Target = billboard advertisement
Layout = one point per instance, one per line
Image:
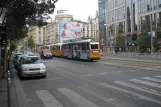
(70, 30)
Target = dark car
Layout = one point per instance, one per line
(46, 54)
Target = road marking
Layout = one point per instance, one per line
(146, 83)
(47, 99)
(158, 67)
(119, 71)
(115, 102)
(76, 98)
(158, 76)
(132, 70)
(103, 73)
(140, 88)
(152, 79)
(104, 85)
(87, 75)
(148, 68)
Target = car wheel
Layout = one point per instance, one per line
(44, 76)
(51, 57)
(21, 77)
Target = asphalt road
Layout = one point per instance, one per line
(89, 84)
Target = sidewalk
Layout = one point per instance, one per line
(142, 65)
(153, 57)
(3, 92)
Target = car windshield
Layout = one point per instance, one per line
(32, 60)
(17, 55)
(94, 46)
(46, 51)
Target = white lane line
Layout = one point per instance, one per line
(119, 71)
(148, 68)
(140, 88)
(76, 98)
(132, 70)
(158, 76)
(48, 99)
(87, 75)
(104, 85)
(116, 102)
(152, 79)
(146, 83)
(103, 73)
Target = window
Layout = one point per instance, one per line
(87, 46)
(83, 46)
(94, 46)
(31, 60)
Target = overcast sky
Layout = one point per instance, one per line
(80, 9)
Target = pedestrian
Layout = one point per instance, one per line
(149, 51)
(142, 51)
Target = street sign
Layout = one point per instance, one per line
(149, 34)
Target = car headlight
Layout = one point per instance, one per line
(24, 69)
(43, 68)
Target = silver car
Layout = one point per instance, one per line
(29, 53)
(31, 66)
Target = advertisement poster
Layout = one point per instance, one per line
(70, 30)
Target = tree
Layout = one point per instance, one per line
(156, 44)
(13, 46)
(144, 42)
(26, 12)
(30, 42)
(120, 40)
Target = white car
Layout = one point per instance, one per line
(18, 60)
(32, 66)
(28, 53)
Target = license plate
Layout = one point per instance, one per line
(34, 72)
(95, 51)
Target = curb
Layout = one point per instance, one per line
(21, 97)
(133, 60)
(123, 66)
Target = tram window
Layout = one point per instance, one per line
(78, 46)
(74, 47)
(58, 47)
(94, 46)
(83, 46)
(87, 46)
(54, 48)
(69, 46)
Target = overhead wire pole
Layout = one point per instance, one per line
(7, 56)
(151, 29)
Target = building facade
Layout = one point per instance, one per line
(102, 22)
(149, 10)
(48, 33)
(90, 28)
(126, 17)
(115, 19)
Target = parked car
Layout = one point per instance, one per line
(31, 66)
(29, 53)
(15, 56)
(46, 54)
(18, 60)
